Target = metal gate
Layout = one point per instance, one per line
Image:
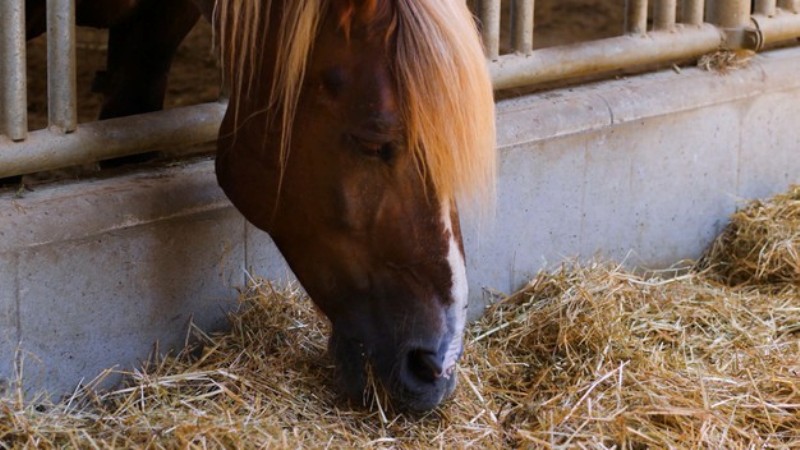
(663, 31)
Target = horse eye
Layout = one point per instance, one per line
(375, 147)
(386, 152)
(333, 80)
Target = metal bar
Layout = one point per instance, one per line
(61, 74)
(692, 12)
(790, 5)
(664, 15)
(164, 130)
(636, 16)
(782, 26)
(602, 56)
(490, 27)
(13, 85)
(731, 14)
(765, 7)
(523, 26)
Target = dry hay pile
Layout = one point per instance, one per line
(725, 61)
(761, 246)
(605, 358)
(589, 356)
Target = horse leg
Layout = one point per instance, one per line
(140, 53)
(35, 18)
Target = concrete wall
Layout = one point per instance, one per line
(644, 169)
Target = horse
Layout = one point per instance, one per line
(354, 128)
(143, 38)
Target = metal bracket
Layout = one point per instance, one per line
(747, 38)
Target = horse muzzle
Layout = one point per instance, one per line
(417, 378)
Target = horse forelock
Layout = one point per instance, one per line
(445, 91)
(373, 14)
(447, 97)
(245, 28)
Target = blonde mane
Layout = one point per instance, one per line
(446, 95)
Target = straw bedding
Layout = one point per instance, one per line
(761, 246)
(586, 356)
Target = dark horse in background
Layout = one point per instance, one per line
(143, 37)
(353, 128)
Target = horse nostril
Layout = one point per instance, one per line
(425, 365)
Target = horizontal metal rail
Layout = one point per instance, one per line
(729, 24)
(781, 26)
(732, 27)
(559, 63)
(97, 141)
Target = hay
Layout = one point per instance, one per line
(761, 245)
(266, 383)
(587, 356)
(725, 61)
(590, 356)
(599, 357)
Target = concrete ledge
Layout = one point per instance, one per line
(643, 169)
(93, 274)
(77, 211)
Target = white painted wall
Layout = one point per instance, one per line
(645, 169)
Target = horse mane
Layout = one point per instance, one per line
(443, 83)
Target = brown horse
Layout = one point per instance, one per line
(143, 38)
(353, 127)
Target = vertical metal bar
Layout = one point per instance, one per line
(13, 86)
(61, 83)
(522, 38)
(692, 11)
(765, 7)
(790, 5)
(664, 14)
(490, 26)
(636, 16)
(729, 13)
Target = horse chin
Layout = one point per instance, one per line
(350, 358)
(427, 399)
(353, 361)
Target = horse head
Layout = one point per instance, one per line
(353, 128)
